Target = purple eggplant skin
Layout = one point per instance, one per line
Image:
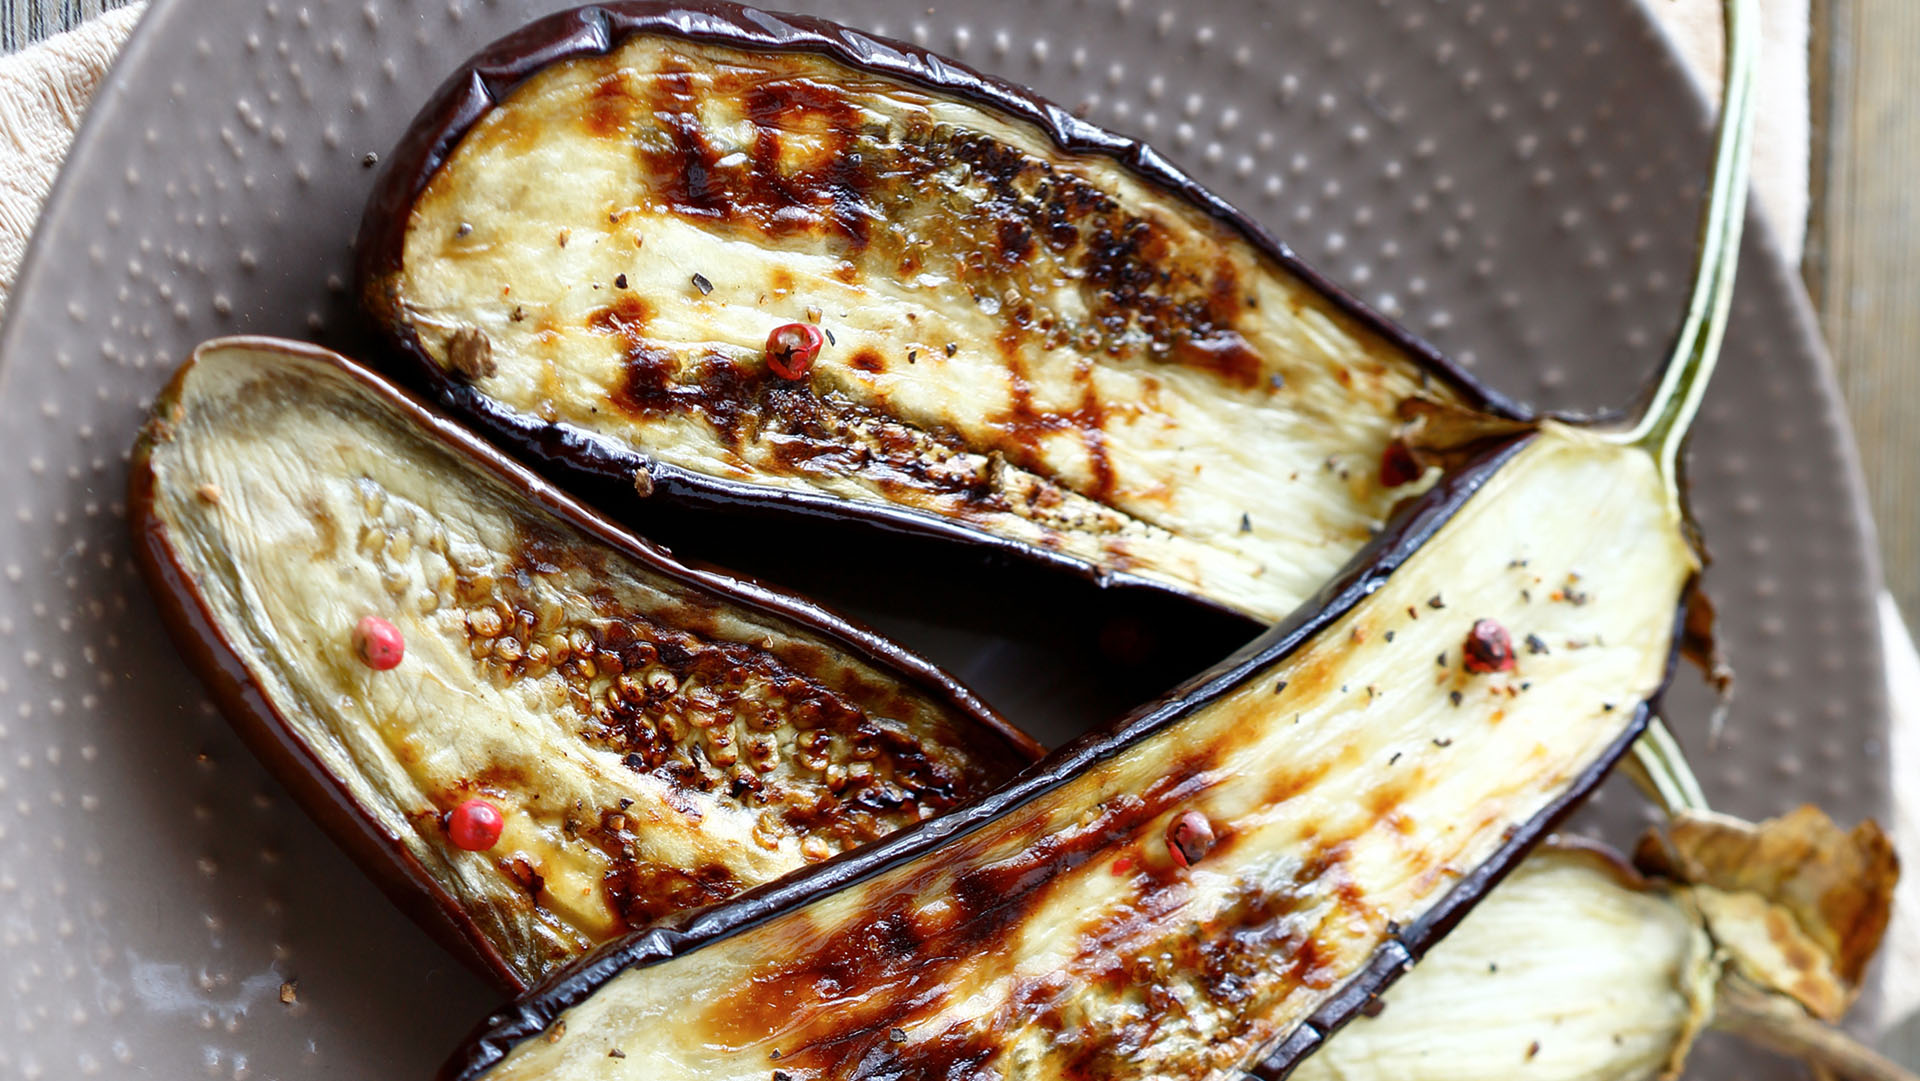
(220, 661)
(473, 91)
(535, 1014)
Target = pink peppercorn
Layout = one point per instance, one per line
(378, 643)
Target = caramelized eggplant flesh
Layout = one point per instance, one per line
(655, 737)
(1225, 876)
(1038, 335)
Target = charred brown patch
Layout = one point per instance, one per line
(609, 106)
(1026, 427)
(1285, 783)
(657, 382)
(326, 529)
(844, 996)
(868, 360)
(642, 891)
(798, 177)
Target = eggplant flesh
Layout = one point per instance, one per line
(1041, 336)
(1360, 787)
(1575, 969)
(655, 737)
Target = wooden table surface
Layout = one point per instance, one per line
(1863, 262)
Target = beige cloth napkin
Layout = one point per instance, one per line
(44, 91)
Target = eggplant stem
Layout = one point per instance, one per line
(1660, 768)
(1663, 427)
(1779, 1024)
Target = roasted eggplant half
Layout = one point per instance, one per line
(1576, 969)
(402, 622)
(1581, 967)
(762, 261)
(1224, 876)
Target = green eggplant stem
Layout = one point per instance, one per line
(1660, 767)
(1663, 427)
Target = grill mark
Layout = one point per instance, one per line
(1026, 214)
(609, 106)
(1029, 214)
(683, 169)
(903, 966)
(640, 891)
(827, 193)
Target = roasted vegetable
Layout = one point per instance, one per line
(1225, 876)
(1038, 336)
(1575, 969)
(536, 730)
(1231, 871)
(1579, 969)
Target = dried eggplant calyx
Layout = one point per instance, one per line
(1042, 337)
(1360, 787)
(655, 736)
(1585, 969)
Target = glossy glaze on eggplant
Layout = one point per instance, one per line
(1040, 336)
(656, 737)
(1357, 782)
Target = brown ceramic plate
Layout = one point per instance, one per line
(1516, 182)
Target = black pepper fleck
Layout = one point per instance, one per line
(1443, 741)
(829, 334)
(701, 283)
(1280, 686)
(1389, 636)
(1276, 381)
(952, 348)
(619, 281)
(1435, 602)
(913, 356)
(1395, 758)
(616, 1053)
(1536, 645)
(1246, 523)
(1454, 697)
(465, 229)
(369, 160)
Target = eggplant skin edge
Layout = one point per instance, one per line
(472, 91)
(212, 656)
(1418, 519)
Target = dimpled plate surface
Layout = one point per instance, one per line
(1516, 180)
